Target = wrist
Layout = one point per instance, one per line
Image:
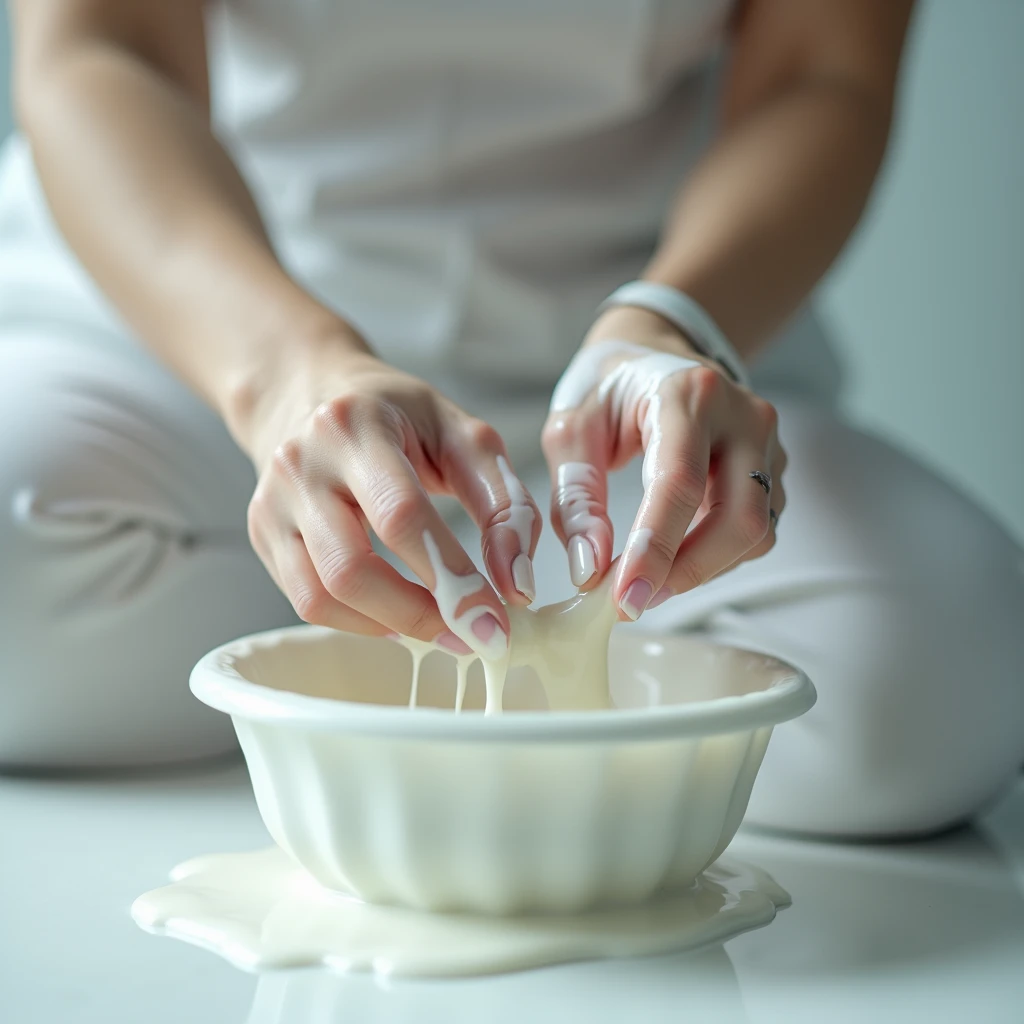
(688, 317)
(643, 327)
(280, 367)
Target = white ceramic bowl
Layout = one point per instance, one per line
(527, 811)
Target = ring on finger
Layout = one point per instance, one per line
(763, 480)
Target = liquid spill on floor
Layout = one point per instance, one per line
(261, 910)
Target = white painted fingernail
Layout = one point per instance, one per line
(522, 576)
(582, 564)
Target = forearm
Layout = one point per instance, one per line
(806, 112)
(159, 215)
(770, 206)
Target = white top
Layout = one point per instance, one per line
(465, 181)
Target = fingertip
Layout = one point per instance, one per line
(491, 634)
(602, 538)
(582, 560)
(497, 607)
(510, 568)
(457, 595)
(635, 600)
(523, 578)
(634, 562)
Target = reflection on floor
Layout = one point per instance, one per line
(930, 931)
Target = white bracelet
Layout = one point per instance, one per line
(686, 314)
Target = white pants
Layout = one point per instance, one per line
(123, 558)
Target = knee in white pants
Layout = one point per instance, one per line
(119, 570)
(920, 714)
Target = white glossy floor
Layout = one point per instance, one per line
(913, 932)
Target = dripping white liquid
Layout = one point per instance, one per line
(566, 644)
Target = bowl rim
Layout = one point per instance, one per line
(217, 682)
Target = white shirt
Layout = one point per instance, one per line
(465, 180)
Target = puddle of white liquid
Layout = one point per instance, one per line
(261, 910)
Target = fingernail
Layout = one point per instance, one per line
(659, 598)
(450, 642)
(522, 576)
(636, 598)
(487, 629)
(582, 564)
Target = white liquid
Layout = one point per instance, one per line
(633, 388)
(462, 675)
(450, 590)
(261, 910)
(627, 376)
(520, 518)
(566, 644)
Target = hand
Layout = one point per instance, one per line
(344, 444)
(637, 385)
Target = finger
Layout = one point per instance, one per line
(776, 503)
(302, 585)
(677, 453)
(576, 448)
(385, 486)
(736, 523)
(477, 470)
(758, 551)
(263, 525)
(766, 420)
(356, 577)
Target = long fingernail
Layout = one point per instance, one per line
(636, 598)
(450, 642)
(522, 576)
(487, 629)
(659, 598)
(582, 564)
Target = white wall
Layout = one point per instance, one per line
(5, 85)
(928, 302)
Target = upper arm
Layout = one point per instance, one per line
(852, 43)
(168, 35)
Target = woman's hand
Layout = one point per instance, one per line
(345, 444)
(636, 386)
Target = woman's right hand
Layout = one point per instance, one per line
(345, 444)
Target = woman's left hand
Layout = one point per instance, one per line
(712, 459)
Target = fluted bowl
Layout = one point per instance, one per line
(528, 811)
